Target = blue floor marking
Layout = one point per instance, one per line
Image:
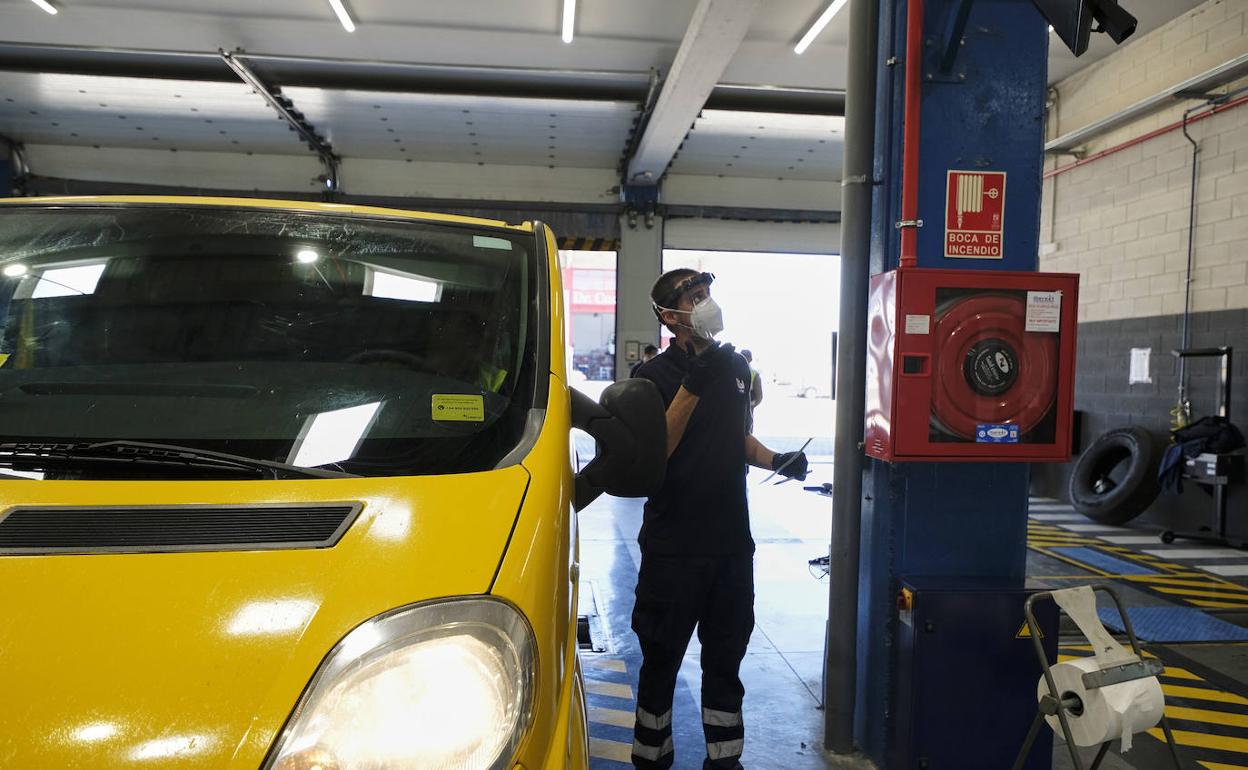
(1174, 624)
(1103, 561)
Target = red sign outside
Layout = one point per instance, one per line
(974, 214)
(591, 290)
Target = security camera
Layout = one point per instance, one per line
(1073, 20)
(1112, 20)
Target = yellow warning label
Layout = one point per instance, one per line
(3, 358)
(458, 407)
(1025, 632)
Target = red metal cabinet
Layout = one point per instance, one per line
(971, 365)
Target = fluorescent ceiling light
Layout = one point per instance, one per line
(45, 5)
(341, 11)
(833, 9)
(307, 256)
(15, 270)
(569, 19)
(720, 123)
(331, 437)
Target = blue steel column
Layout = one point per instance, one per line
(948, 519)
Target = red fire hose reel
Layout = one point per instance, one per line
(971, 365)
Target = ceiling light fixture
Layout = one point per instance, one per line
(341, 11)
(833, 9)
(569, 19)
(46, 6)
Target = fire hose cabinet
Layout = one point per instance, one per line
(971, 365)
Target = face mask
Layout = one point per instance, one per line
(707, 318)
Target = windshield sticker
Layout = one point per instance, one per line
(4, 357)
(488, 242)
(458, 407)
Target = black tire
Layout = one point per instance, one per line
(1098, 497)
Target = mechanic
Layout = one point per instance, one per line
(648, 353)
(697, 564)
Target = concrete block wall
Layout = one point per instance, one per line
(1121, 223)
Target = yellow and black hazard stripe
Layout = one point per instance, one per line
(589, 244)
(1209, 722)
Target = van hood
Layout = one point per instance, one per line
(195, 659)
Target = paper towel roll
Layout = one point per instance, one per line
(1117, 711)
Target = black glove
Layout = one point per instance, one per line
(797, 469)
(705, 367)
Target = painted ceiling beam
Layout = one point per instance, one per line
(713, 36)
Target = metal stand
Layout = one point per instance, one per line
(1054, 704)
(1216, 471)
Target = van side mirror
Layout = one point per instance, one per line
(630, 427)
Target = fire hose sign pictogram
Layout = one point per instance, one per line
(974, 214)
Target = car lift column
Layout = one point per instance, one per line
(982, 94)
(638, 263)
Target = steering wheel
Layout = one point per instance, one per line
(388, 356)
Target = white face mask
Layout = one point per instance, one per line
(707, 318)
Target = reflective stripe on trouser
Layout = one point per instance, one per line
(652, 753)
(652, 722)
(717, 718)
(725, 738)
(652, 740)
(720, 750)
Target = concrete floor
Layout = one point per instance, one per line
(1207, 684)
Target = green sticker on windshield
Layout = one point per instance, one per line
(458, 407)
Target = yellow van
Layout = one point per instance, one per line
(288, 485)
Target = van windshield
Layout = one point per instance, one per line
(363, 345)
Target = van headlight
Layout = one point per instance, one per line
(446, 685)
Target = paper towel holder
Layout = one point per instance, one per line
(1059, 704)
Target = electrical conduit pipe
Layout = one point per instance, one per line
(910, 136)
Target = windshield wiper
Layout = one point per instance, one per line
(44, 454)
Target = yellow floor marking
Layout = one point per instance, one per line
(1213, 594)
(613, 750)
(1207, 715)
(1186, 580)
(1218, 605)
(1202, 693)
(610, 689)
(1221, 766)
(617, 717)
(1174, 672)
(604, 664)
(1066, 577)
(1204, 740)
